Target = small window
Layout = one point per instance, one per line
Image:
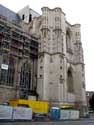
(41, 67)
(87, 94)
(30, 17)
(60, 76)
(40, 76)
(60, 67)
(23, 17)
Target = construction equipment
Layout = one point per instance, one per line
(37, 106)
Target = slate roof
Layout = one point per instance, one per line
(9, 14)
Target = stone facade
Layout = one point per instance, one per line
(60, 59)
(60, 74)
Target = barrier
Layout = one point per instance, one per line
(65, 114)
(22, 113)
(69, 114)
(6, 112)
(74, 114)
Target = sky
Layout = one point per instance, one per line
(77, 11)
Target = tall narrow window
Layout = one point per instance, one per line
(3, 76)
(70, 81)
(68, 40)
(25, 76)
(25, 79)
(11, 72)
(7, 74)
(30, 17)
(23, 17)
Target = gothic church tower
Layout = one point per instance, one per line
(60, 59)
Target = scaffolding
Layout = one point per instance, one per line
(14, 42)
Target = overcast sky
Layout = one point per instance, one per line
(77, 11)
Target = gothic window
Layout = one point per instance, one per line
(3, 75)
(68, 40)
(7, 75)
(70, 81)
(25, 76)
(11, 72)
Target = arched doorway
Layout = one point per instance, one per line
(70, 84)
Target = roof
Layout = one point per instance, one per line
(9, 14)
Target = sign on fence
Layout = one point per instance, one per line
(22, 113)
(4, 66)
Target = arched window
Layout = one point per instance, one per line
(8, 73)
(23, 17)
(70, 81)
(68, 40)
(11, 72)
(30, 17)
(25, 76)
